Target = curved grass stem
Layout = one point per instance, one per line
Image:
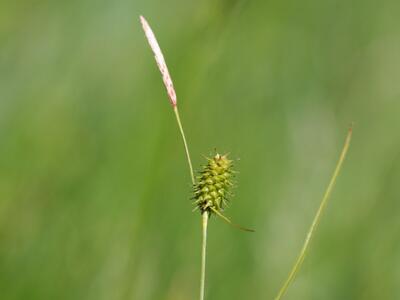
(204, 215)
(178, 119)
(314, 225)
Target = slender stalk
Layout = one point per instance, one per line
(178, 119)
(203, 254)
(204, 215)
(313, 227)
(162, 66)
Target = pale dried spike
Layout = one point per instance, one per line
(160, 61)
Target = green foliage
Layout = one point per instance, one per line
(93, 179)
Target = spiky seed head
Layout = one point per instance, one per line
(212, 188)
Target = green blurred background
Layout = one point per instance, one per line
(94, 186)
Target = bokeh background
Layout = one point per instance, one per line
(94, 186)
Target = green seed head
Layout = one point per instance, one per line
(211, 190)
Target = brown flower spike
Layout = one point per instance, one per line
(160, 61)
(162, 66)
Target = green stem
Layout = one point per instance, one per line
(203, 254)
(204, 215)
(316, 220)
(178, 119)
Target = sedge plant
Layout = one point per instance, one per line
(211, 187)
